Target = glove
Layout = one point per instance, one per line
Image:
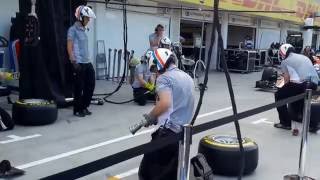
(6, 76)
(9, 76)
(149, 120)
(149, 86)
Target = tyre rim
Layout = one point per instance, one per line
(226, 139)
(35, 101)
(188, 62)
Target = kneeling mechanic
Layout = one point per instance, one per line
(143, 84)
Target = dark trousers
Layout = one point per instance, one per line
(161, 164)
(84, 86)
(288, 90)
(140, 97)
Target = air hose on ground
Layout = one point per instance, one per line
(125, 44)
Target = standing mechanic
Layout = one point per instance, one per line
(173, 109)
(143, 82)
(154, 38)
(77, 46)
(299, 74)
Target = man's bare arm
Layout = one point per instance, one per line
(70, 50)
(162, 105)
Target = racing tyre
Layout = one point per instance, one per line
(6, 121)
(261, 84)
(269, 74)
(296, 112)
(34, 112)
(315, 114)
(223, 154)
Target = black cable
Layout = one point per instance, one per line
(123, 102)
(205, 82)
(128, 101)
(125, 40)
(107, 2)
(217, 27)
(233, 102)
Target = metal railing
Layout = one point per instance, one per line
(185, 139)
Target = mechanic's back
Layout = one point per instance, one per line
(300, 68)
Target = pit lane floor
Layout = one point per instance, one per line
(73, 141)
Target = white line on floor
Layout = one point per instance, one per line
(77, 151)
(14, 138)
(128, 173)
(263, 120)
(214, 112)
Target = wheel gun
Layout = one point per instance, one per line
(143, 123)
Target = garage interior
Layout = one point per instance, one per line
(238, 34)
(193, 35)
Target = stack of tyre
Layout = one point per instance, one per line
(223, 155)
(34, 112)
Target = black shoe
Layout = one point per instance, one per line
(79, 113)
(87, 112)
(7, 171)
(281, 126)
(314, 130)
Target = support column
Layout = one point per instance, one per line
(175, 26)
(307, 34)
(318, 42)
(213, 64)
(224, 29)
(283, 32)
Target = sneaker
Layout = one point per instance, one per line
(79, 113)
(281, 126)
(87, 112)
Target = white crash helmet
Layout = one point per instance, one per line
(283, 50)
(159, 58)
(146, 56)
(165, 42)
(84, 11)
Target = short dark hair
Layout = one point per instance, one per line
(290, 50)
(158, 27)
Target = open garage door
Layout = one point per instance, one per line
(109, 28)
(267, 37)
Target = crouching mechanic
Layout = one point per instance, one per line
(78, 52)
(173, 109)
(299, 74)
(143, 84)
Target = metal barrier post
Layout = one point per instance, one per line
(184, 152)
(114, 63)
(109, 64)
(304, 140)
(119, 65)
